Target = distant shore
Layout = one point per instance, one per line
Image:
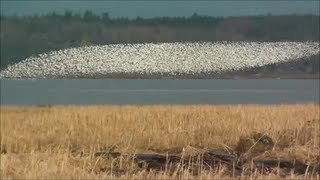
(307, 68)
(31, 35)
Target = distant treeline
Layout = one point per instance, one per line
(24, 36)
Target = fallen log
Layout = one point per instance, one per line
(295, 166)
(210, 159)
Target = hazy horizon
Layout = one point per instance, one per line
(149, 9)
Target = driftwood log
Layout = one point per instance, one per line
(247, 154)
(212, 160)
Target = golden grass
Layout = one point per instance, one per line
(39, 141)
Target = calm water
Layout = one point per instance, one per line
(87, 92)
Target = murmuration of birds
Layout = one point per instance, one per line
(167, 59)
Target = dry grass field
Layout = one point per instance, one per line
(59, 141)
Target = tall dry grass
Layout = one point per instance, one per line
(39, 142)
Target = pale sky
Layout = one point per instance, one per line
(153, 8)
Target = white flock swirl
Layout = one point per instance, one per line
(163, 58)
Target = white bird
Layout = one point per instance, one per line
(164, 58)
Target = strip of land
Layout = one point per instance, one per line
(25, 36)
(306, 68)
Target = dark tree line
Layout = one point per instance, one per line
(25, 36)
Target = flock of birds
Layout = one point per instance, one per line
(162, 58)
